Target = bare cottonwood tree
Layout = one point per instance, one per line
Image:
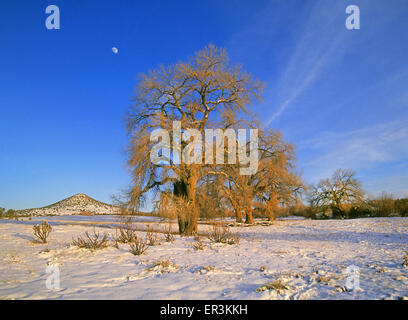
(340, 190)
(204, 92)
(274, 182)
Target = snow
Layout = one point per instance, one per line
(308, 259)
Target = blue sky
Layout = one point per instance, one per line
(340, 96)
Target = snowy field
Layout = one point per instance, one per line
(302, 259)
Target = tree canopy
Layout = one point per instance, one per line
(205, 92)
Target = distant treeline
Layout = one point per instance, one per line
(7, 213)
(383, 206)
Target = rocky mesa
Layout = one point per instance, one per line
(77, 204)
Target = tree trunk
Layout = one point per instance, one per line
(238, 215)
(271, 214)
(248, 216)
(187, 219)
(238, 212)
(187, 225)
(271, 206)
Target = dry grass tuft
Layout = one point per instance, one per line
(163, 266)
(209, 268)
(323, 279)
(405, 263)
(276, 285)
(198, 244)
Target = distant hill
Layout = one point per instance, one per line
(77, 204)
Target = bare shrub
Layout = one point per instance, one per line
(138, 246)
(127, 233)
(92, 242)
(42, 231)
(405, 263)
(221, 233)
(168, 236)
(151, 236)
(218, 233)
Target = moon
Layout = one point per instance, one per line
(115, 50)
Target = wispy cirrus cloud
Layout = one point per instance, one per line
(364, 150)
(320, 43)
(339, 95)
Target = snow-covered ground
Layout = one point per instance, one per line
(301, 259)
